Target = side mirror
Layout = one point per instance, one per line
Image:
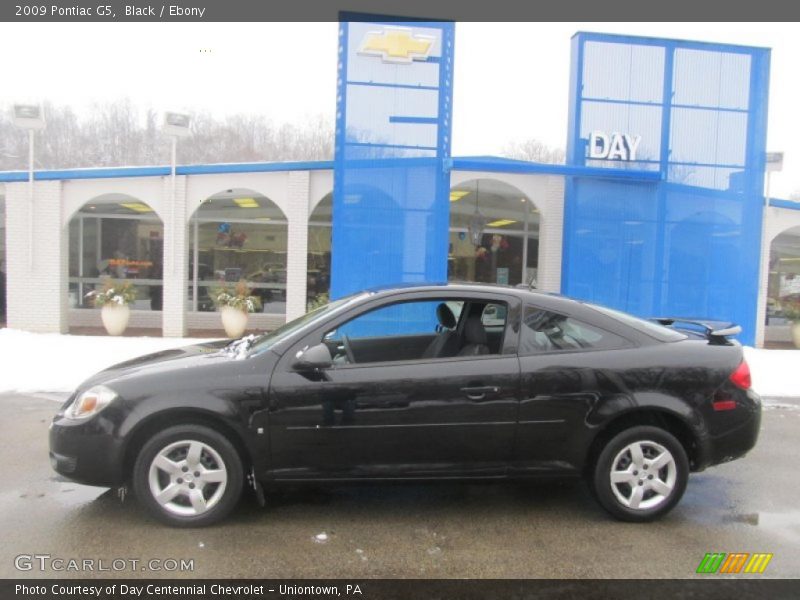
(313, 358)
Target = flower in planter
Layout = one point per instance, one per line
(113, 292)
(239, 298)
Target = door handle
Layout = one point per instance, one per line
(479, 392)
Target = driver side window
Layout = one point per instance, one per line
(404, 331)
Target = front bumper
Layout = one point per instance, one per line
(86, 451)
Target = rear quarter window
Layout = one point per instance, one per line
(544, 331)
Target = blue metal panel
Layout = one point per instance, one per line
(391, 184)
(790, 204)
(505, 165)
(687, 245)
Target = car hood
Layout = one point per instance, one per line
(165, 361)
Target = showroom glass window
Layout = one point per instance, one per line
(784, 279)
(494, 234)
(121, 238)
(238, 234)
(319, 253)
(3, 266)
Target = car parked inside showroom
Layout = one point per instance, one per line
(419, 382)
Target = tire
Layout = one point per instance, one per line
(637, 495)
(188, 476)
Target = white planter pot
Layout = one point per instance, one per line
(115, 318)
(234, 321)
(796, 334)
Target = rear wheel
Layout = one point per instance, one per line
(641, 474)
(188, 476)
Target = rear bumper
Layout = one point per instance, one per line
(736, 434)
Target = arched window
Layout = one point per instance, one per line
(784, 276)
(494, 234)
(319, 252)
(238, 234)
(3, 266)
(116, 236)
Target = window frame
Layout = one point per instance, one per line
(508, 346)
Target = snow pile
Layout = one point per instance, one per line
(775, 373)
(49, 362)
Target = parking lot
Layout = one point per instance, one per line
(452, 530)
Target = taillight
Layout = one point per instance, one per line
(741, 376)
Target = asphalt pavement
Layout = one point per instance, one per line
(443, 530)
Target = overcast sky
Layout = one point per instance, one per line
(511, 79)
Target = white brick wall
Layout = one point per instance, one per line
(176, 257)
(36, 258)
(551, 229)
(297, 246)
(212, 320)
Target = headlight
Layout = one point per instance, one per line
(90, 402)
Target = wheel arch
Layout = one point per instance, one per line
(669, 421)
(161, 420)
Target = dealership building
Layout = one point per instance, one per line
(659, 209)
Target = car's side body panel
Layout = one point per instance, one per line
(494, 415)
(400, 420)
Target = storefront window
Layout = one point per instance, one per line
(494, 234)
(238, 234)
(319, 252)
(784, 275)
(2, 260)
(116, 237)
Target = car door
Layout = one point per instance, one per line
(568, 366)
(452, 415)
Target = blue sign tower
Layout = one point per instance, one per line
(696, 113)
(391, 179)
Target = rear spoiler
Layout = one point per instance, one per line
(717, 332)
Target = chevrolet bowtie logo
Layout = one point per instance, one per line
(397, 45)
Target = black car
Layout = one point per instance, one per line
(419, 382)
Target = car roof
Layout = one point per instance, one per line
(465, 287)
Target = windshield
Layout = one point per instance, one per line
(268, 340)
(660, 332)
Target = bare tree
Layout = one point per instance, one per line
(120, 133)
(534, 150)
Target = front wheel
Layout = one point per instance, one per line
(188, 476)
(641, 474)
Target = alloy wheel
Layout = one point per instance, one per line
(643, 475)
(187, 478)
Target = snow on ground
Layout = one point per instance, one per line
(775, 373)
(49, 362)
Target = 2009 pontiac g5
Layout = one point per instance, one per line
(419, 382)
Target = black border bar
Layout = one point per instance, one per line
(707, 588)
(457, 10)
